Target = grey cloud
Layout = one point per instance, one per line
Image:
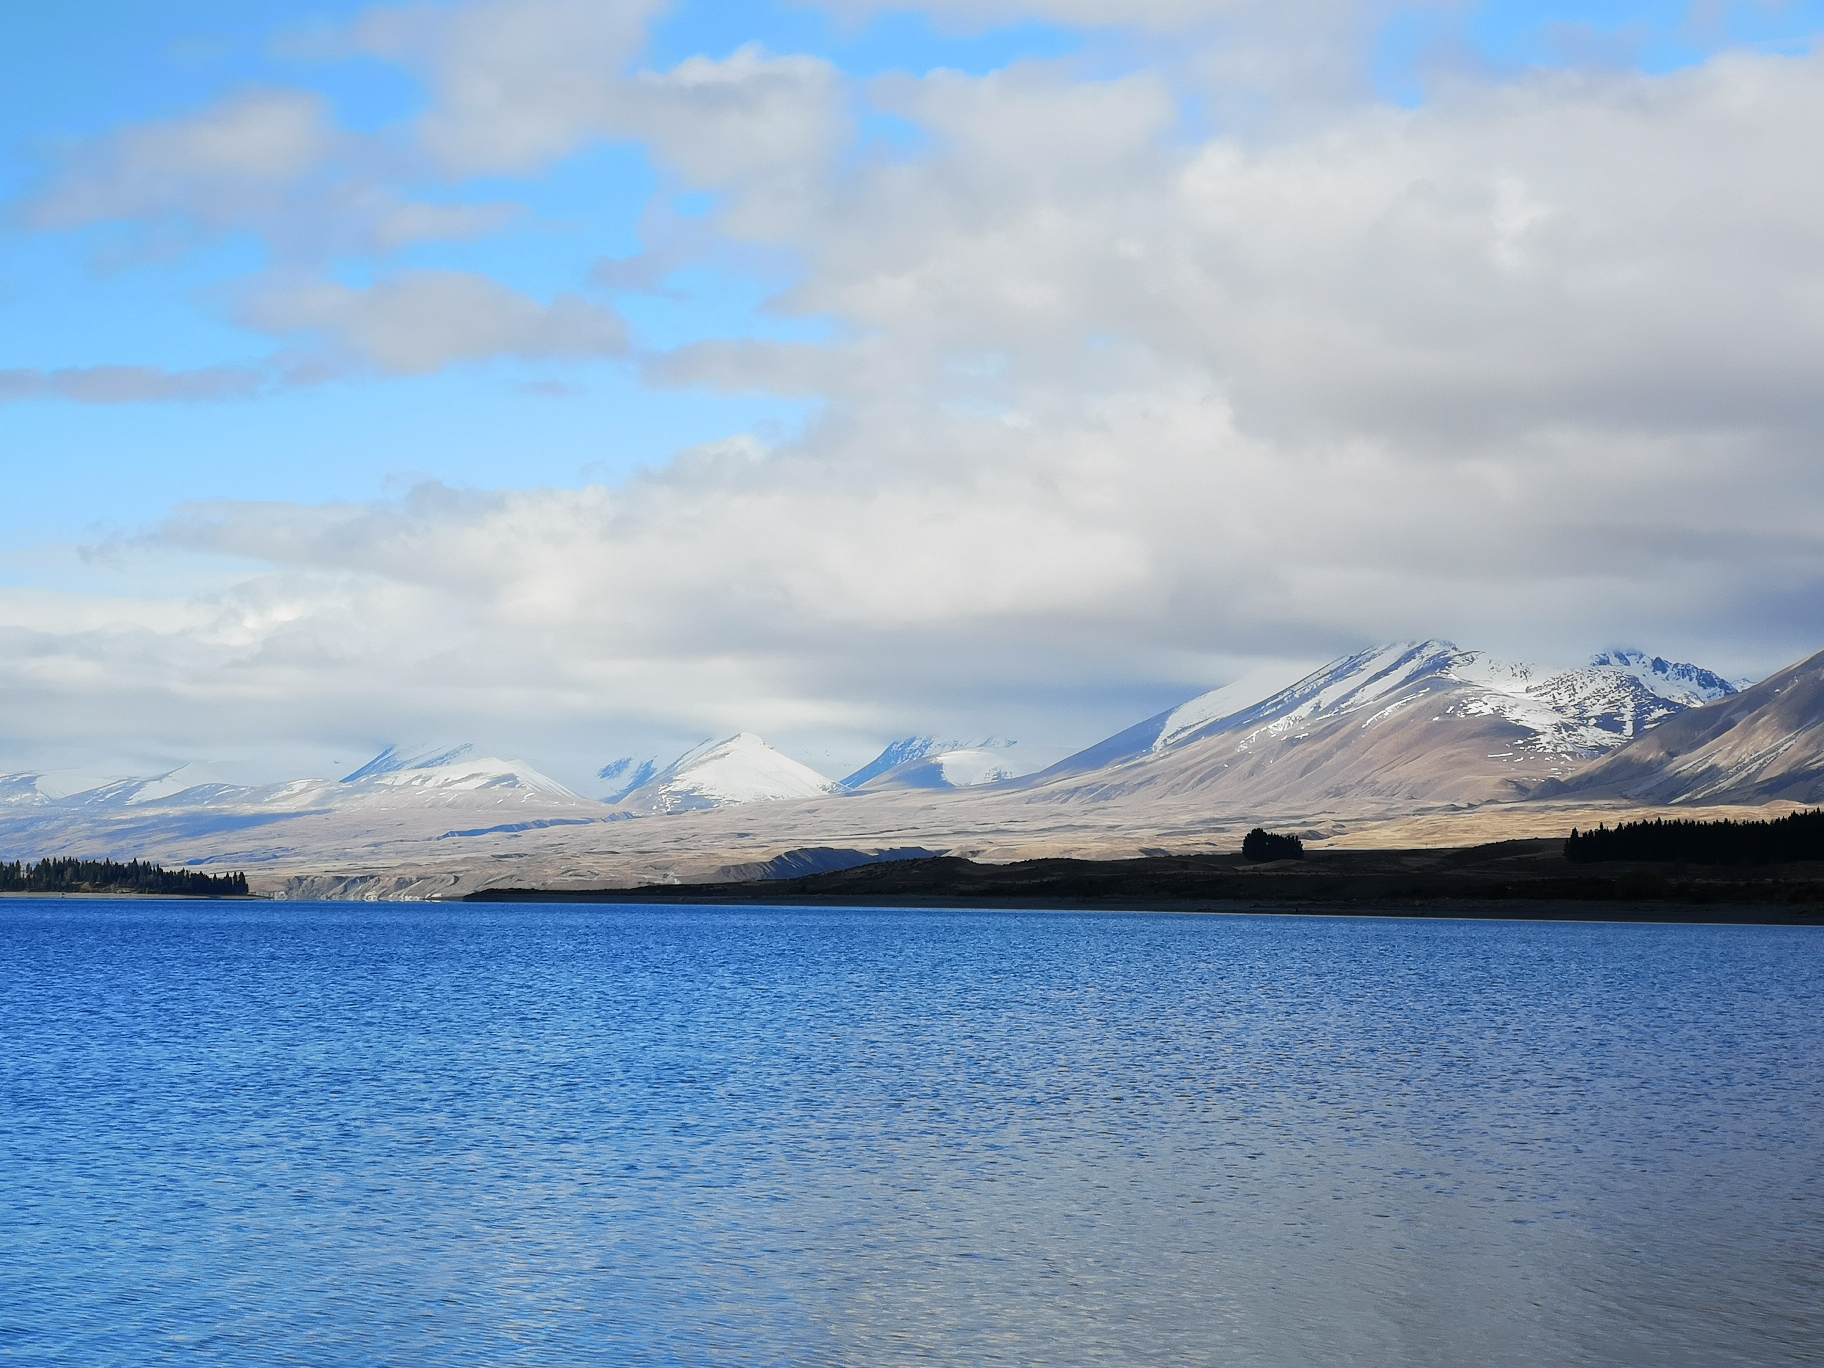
(271, 162)
(131, 384)
(518, 83)
(1611, 252)
(793, 368)
(745, 119)
(976, 15)
(422, 321)
(402, 224)
(219, 164)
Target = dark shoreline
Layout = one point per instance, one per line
(1507, 881)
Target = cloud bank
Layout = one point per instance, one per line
(1109, 410)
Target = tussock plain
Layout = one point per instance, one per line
(995, 828)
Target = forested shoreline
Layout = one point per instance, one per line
(1798, 836)
(110, 876)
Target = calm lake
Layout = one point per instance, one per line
(418, 1135)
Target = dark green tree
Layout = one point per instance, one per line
(1261, 844)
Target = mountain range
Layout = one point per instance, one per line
(1410, 723)
(1402, 729)
(1541, 724)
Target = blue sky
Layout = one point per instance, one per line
(101, 295)
(652, 293)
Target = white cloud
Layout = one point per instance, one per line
(422, 321)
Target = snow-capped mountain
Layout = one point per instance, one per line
(1570, 714)
(1422, 722)
(1681, 683)
(740, 769)
(444, 767)
(928, 762)
(437, 796)
(450, 768)
(1764, 744)
(396, 775)
(396, 759)
(625, 775)
(951, 769)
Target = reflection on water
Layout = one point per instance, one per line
(329, 1134)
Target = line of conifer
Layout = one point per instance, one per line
(1799, 836)
(108, 876)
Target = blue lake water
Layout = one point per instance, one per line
(422, 1135)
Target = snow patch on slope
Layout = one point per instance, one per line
(1675, 681)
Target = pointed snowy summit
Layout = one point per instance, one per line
(740, 769)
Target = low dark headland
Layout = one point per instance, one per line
(106, 876)
(1508, 880)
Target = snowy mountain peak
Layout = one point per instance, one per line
(394, 759)
(1570, 713)
(450, 768)
(1690, 685)
(910, 749)
(740, 769)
